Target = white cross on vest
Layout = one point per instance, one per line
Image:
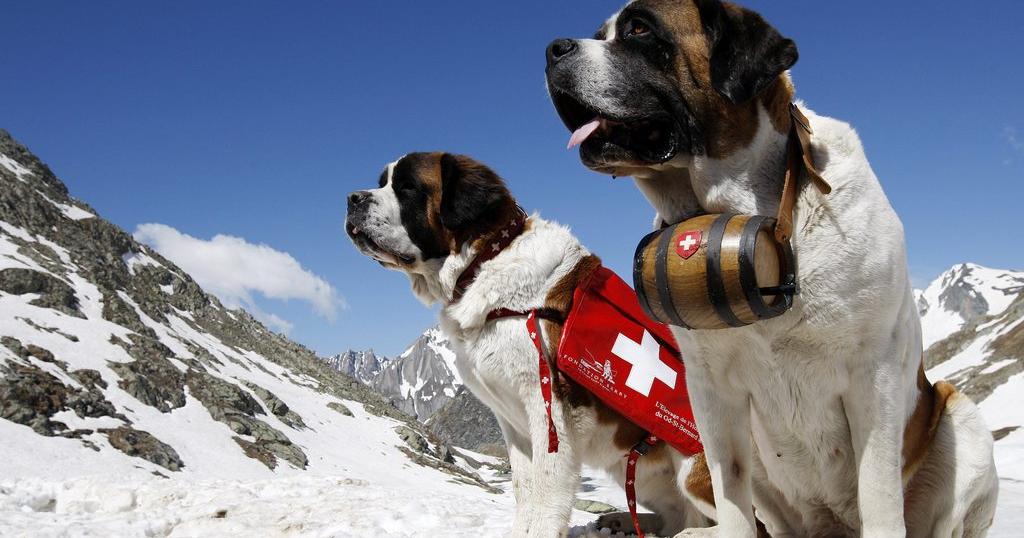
(645, 361)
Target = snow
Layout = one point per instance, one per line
(15, 231)
(994, 285)
(1005, 406)
(1009, 456)
(15, 167)
(996, 366)
(285, 506)
(438, 342)
(938, 323)
(975, 354)
(70, 211)
(408, 389)
(9, 255)
(133, 259)
(307, 506)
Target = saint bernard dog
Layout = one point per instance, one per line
(430, 216)
(819, 422)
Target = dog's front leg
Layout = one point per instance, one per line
(522, 486)
(876, 429)
(724, 423)
(555, 476)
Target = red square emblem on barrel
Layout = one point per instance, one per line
(688, 243)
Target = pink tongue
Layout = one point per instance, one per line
(583, 133)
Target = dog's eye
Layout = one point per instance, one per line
(637, 28)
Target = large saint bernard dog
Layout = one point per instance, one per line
(431, 215)
(819, 421)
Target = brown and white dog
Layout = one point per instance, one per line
(820, 419)
(429, 217)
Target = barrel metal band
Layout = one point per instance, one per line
(716, 287)
(638, 274)
(661, 278)
(748, 274)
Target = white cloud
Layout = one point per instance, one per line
(233, 269)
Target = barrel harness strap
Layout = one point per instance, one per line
(798, 156)
(492, 247)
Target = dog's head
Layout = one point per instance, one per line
(427, 206)
(669, 78)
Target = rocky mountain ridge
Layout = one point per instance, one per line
(113, 360)
(423, 382)
(419, 382)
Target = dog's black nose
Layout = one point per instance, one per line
(357, 199)
(560, 48)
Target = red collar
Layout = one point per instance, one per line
(497, 242)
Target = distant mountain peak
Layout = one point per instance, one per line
(963, 293)
(421, 380)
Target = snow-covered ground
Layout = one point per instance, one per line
(1009, 521)
(285, 506)
(323, 506)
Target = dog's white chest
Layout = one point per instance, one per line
(798, 422)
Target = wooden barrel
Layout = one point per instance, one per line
(714, 272)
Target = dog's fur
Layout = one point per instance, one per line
(430, 216)
(821, 419)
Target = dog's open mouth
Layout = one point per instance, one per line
(649, 140)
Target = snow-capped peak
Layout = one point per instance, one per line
(963, 293)
(419, 381)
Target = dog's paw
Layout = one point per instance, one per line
(617, 522)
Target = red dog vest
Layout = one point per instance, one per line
(611, 348)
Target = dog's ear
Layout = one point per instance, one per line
(746, 53)
(472, 196)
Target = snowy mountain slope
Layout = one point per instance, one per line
(114, 362)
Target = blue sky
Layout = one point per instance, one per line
(253, 119)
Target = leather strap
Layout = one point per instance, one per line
(798, 157)
(497, 242)
(544, 372)
(549, 314)
(639, 449)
